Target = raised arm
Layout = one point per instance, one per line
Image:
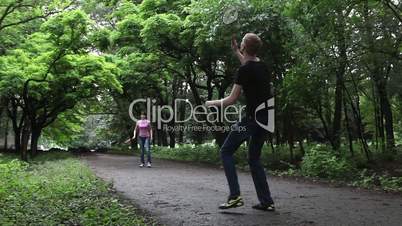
(236, 50)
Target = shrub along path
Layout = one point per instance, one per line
(188, 194)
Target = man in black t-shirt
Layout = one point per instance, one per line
(254, 79)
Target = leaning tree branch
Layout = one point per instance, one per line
(393, 8)
(11, 8)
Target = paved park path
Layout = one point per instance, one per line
(188, 194)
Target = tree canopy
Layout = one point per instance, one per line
(337, 66)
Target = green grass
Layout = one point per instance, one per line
(58, 189)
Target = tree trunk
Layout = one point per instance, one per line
(164, 138)
(387, 111)
(379, 80)
(172, 133)
(336, 128)
(288, 129)
(35, 135)
(348, 128)
(271, 142)
(182, 112)
(17, 133)
(302, 151)
(172, 139)
(17, 140)
(24, 141)
(6, 135)
(18, 123)
(340, 73)
(377, 119)
(320, 115)
(358, 120)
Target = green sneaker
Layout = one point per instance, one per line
(233, 202)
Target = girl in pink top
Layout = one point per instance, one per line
(144, 129)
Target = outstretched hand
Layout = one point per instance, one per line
(209, 103)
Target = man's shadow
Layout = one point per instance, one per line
(242, 214)
(232, 213)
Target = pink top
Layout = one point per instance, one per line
(144, 128)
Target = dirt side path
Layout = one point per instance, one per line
(188, 194)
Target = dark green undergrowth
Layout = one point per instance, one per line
(319, 161)
(209, 153)
(58, 189)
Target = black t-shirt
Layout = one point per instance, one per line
(255, 79)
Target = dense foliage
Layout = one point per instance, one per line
(337, 72)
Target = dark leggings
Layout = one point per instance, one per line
(247, 130)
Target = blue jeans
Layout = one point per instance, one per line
(145, 147)
(246, 129)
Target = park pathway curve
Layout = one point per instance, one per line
(188, 194)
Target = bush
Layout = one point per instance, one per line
(370, 179)
(323, 163)
(391, 183)
(207, 153)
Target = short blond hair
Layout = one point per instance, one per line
(252, 43)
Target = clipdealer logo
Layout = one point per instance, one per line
(269, 107)
(163, 114)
